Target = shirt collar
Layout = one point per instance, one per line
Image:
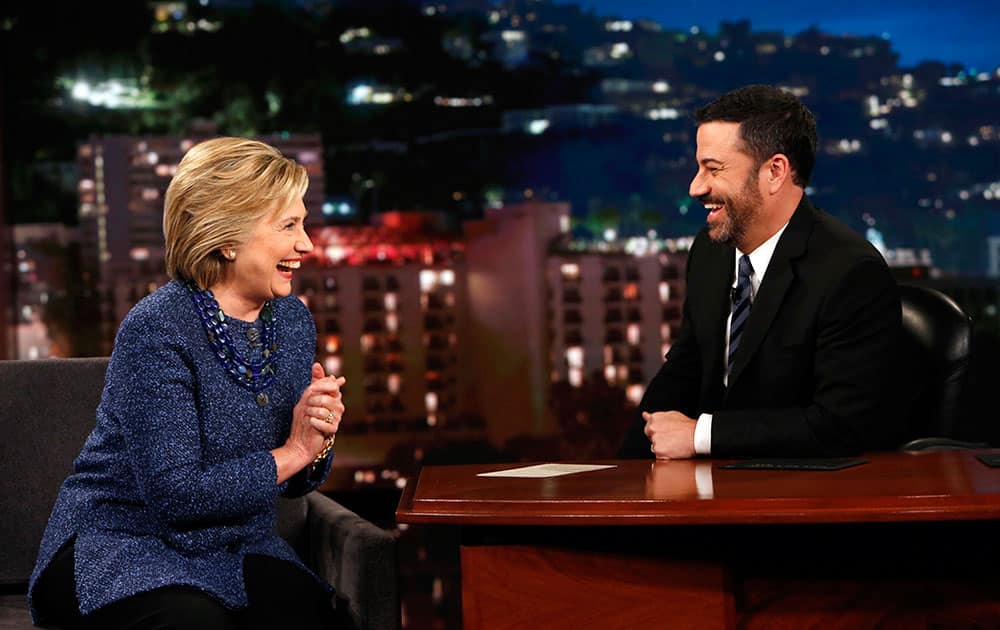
(760, 258)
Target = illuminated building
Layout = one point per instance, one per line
(41, 264)
(506, 256)
(361, 94)
(615, 314)
(536, 121)
(389, 301)
(121, 188)
(510, 46)
(173, 16)
(434, 7)
(546, 308)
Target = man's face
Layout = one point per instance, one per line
(726, 182)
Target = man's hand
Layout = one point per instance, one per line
(670, 433)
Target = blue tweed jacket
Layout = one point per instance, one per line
(176, 483)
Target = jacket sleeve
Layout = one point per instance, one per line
(151, 395)
(857, 334)
(308, 479)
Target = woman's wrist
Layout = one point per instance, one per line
(325, 451)
(289, 460)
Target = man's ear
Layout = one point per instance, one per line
(778, 172)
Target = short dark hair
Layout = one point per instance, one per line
(771, 121)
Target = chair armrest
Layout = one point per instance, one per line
(358, 559)
(940, 444)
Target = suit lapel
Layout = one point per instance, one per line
(777, 279)
(720, 279)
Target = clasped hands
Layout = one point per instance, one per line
(670, 433)
(316, 417)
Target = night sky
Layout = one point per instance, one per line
(962, 31)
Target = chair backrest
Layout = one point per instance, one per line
(937, 336)
(47, 410)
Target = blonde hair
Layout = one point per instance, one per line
(222, 188)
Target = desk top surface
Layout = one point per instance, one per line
(928, 486)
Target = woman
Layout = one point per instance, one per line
(212, 406)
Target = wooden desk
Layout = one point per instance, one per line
(907, 540)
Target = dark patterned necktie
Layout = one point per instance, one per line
(741, 307)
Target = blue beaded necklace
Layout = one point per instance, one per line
(254, 375)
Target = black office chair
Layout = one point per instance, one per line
(937, 346)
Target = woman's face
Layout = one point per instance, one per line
(263, 267)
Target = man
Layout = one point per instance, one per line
(791, 319)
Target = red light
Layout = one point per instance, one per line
(392, 219)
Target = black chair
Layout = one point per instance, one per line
(935, 357)
(47, 411)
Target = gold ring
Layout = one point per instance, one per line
(329, 418)
(652, 449)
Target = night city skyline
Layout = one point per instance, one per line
(955, 32)
(459, 106)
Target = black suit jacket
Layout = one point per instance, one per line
(812, 375)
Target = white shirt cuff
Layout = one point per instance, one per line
(703, 435)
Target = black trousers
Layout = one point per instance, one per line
(280, 594)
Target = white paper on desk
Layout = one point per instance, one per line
(546, 470)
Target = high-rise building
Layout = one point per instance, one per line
(614, 314)
(122, 184)
(547, 308)
(506, 256)
(389, 300)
